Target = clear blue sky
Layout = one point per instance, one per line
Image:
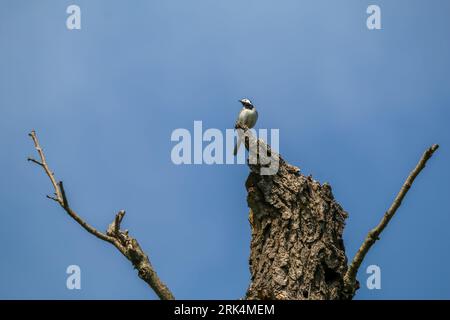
(354, 107)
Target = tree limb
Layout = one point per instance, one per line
(127, 245)
(373, 235)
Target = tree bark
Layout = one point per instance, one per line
(297, 251)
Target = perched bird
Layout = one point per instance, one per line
(247, 117)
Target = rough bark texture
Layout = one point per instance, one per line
(297, 251)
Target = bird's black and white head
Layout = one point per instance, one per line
(246, 103)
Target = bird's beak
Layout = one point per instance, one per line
(240, 101)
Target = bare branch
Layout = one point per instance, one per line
(114, 227)
(131, 249)
(373, 235)
(127, 245)
(65, 203)
(52, 198)
(118, 220)
(43, 163)
(35, 161)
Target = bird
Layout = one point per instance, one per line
(247, 117)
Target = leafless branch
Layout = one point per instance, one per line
(373, 235)
(35, 161)
(127, 245)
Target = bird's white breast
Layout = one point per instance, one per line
(248, 117)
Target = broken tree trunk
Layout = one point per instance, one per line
(297, 251)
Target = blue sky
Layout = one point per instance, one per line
(354, 107)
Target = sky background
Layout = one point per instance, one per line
(354, 107)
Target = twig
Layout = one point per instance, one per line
(373, 235)
(35, 161)
(118, 220)
(65, 203)
(127, 245)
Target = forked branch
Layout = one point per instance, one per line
(127, 245)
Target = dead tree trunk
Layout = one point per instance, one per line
(297, 250)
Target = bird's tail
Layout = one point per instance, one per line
(236, 147)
